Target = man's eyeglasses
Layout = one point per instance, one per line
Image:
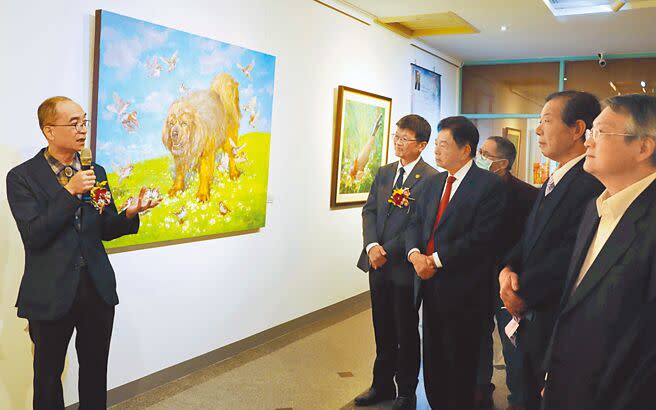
(402, 139)
(488, 155)
(80, 126)
(594, 134)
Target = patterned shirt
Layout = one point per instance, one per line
(63, 172)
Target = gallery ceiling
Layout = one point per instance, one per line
(532, 30)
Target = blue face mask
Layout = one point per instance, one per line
(483, 163)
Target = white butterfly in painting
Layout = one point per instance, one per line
(154, 67)
(119, 106)
(181, 215)
(170, 62)
(247, 70)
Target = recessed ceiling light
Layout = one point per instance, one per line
(643, 84)
(504, 28)
(565, 79)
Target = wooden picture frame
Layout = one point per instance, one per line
(143, 106)
(360, 146)
(515, 136)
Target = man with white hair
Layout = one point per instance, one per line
(612, 274)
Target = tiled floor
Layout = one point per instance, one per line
(323, 366)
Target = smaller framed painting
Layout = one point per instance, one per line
(515, 136)
(362, 125)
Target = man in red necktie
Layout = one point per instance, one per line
(450, 242)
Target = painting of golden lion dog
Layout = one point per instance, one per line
(187, 116)
(197, 126)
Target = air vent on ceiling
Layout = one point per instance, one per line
(435, 24)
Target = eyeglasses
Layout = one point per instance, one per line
(402, 139)
(80, 126)
(594, 134)
(488, 155)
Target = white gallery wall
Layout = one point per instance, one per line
(181, 301)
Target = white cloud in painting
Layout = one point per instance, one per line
(157, 101)
(204, 44)
(248, 91)
(218, 60)
(124, 53)
(152, 37)
(107, 115)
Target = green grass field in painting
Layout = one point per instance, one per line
(359, 119)
(245, 197)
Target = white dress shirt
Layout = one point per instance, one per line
(408, 169)
(610, 209)
(459, 176)
(564, 169)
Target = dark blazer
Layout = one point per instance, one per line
(597, 317)
(521, 197)
(464, 239)
(45, 214)
(628, 381)
(386, 224)
(542, 256)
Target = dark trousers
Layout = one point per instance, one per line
(396, 331)
(93, 320)
(511, 356)
(451, 347)
(533, 378)
(533, 336)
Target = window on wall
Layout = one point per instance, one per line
(619, 76)
(508, 88)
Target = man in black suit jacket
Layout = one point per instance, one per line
(391, 277)
(68, 281)
(450, 242)
(532, 282)
(612, 275)
(498, 155)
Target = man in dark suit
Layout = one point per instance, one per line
(391, 277)
(450, 242)
(498, 155)
(612, 275)
(534, 276)
(68, 281)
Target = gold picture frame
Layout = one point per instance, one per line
(515, 136)
(362, 126)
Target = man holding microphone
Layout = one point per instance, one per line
(68, 281)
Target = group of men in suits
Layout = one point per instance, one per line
(572, 261)
(68, 282)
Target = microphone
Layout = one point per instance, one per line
(85, 162)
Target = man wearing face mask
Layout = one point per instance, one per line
(498, 155)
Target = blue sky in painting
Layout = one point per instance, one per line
(128, 48)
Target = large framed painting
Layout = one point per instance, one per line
(189, 118)
(362, 126)
(515, 136)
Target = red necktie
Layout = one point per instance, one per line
(430, 248)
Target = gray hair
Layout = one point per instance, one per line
(506, 150)
(641, 110)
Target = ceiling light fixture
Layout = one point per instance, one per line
(617, 5)
(504, 28)
(643, 84)
(612, 85)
